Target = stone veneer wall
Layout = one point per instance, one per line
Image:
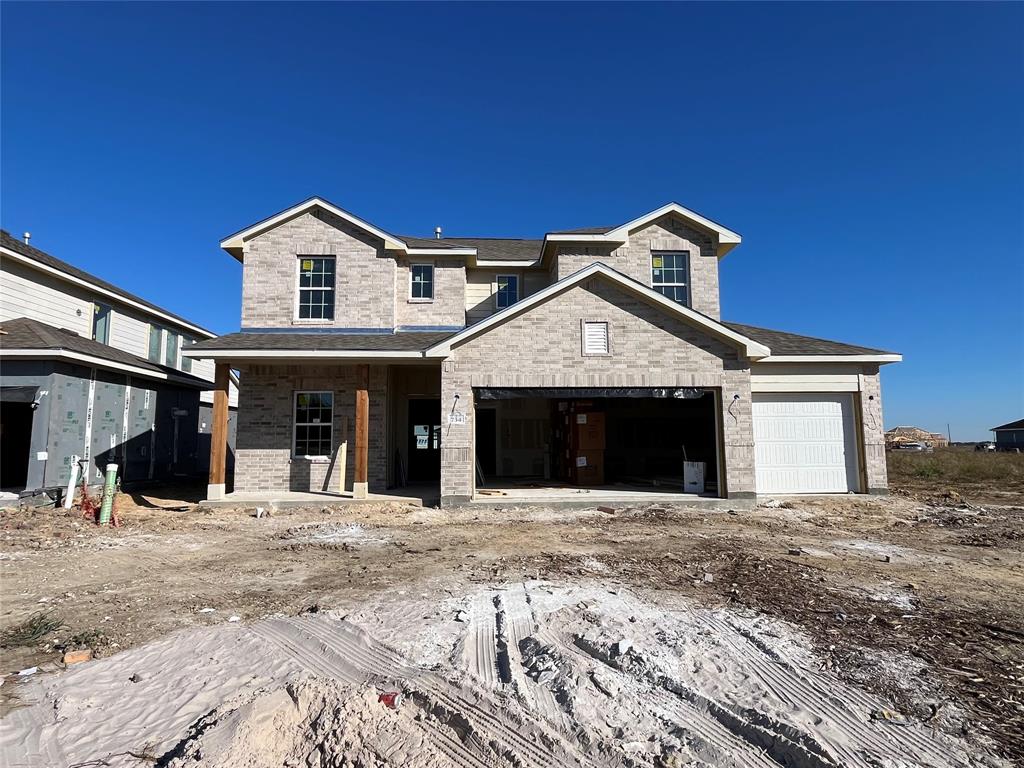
(543, 347)
(668, 233)
(365, 274)
(263, 451)
(873, 431)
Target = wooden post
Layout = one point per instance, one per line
(219, 434)
(360, 488)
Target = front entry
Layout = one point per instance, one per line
(424, 440)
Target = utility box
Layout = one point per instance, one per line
(693, 476)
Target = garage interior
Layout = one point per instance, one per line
(641, 441)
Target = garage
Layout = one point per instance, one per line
(638, 440)
(805, 443)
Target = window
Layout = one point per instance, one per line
(314, 413)
(422, 281)
(186, 362)
(670, 275)
(171, 350)
(156, 334)
(508, 290)
(101, 323)
(595, 338)
(316, 288)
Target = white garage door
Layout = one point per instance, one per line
(804, 444)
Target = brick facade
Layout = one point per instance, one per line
(263, 452)
(543, 347)
(448, 307)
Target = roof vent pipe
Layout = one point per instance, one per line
(437, 233)
(27, 236)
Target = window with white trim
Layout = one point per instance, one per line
(316, 288)
(508, 291)
(595, 337)
(670, 275)
(422, 282)
(101, 323)
(156, 339)
(314, 422)
(171, 350)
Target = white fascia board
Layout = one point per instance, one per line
(298, 354)
(506, 264)
(752, 349)
(166, 318)
(880, 358)
(96, 362)
(441, 251)
(727, 239)
(606, 238)
(237, 240)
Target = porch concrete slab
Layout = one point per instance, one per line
(569, 497)
(421, 497)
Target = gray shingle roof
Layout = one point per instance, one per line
(784, 343)
(407, 341)
(503, 248)
(23, 333)
(16, 245)
(584, 231)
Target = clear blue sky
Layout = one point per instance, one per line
(870, 155)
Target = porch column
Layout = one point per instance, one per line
(219, 434)
(360, 488)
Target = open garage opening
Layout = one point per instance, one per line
(536, 443)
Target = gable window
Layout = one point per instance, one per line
(171, 350)
(422, 281)
(595, 337)
(508, 291)
(101, 323)
(156, 337)
(670, 275)
(314, 415)
(316, 288)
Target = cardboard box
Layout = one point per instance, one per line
(693, 476)
(587, 467)
(588, 432)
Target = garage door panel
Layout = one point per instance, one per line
(804, 443)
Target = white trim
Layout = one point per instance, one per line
(441, 251)
(98, 362)
(584, 324)
(421, 299)
(506, 263)
(876, 358)
(727, 239)
(299, 257)
(751, 348)
(497, 289)
(117, 297)
(563, 238)
(245, 354)
(237, 240)
(295, 423)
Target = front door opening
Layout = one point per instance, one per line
(424, 440)
(16, 436)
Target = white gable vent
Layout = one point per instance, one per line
(595, 338)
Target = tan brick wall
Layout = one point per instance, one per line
(543, 347)
(873, 430)
(668, 233)
(448, 306)
(263, 451)
(365, 282)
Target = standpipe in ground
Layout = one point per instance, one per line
(109, 487)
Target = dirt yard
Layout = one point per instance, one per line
(819, 632)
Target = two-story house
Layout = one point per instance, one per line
(88, 369)
(591, 357)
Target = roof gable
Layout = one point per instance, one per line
(748, 347)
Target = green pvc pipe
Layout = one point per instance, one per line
(109, 485)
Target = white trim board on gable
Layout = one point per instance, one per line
(750, 348)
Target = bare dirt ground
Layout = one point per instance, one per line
(818, 632)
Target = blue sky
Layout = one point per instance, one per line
(870, 155)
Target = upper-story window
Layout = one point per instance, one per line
(670, 275)
(171, 350)
(316, 288)
(186, 362)
(508, 291)
(156, 339)
(101, 323)
(422, 281)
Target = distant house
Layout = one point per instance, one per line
(1010, 437)
(900, 435)
(89, 369)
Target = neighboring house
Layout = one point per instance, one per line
(1010, 437)
(464, 361)
(899, 435)
(89, 369)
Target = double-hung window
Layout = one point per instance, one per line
(422, 281)
(316, 288)
(101, 323)
(670, 275)
(508, 291)
(314, 416)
